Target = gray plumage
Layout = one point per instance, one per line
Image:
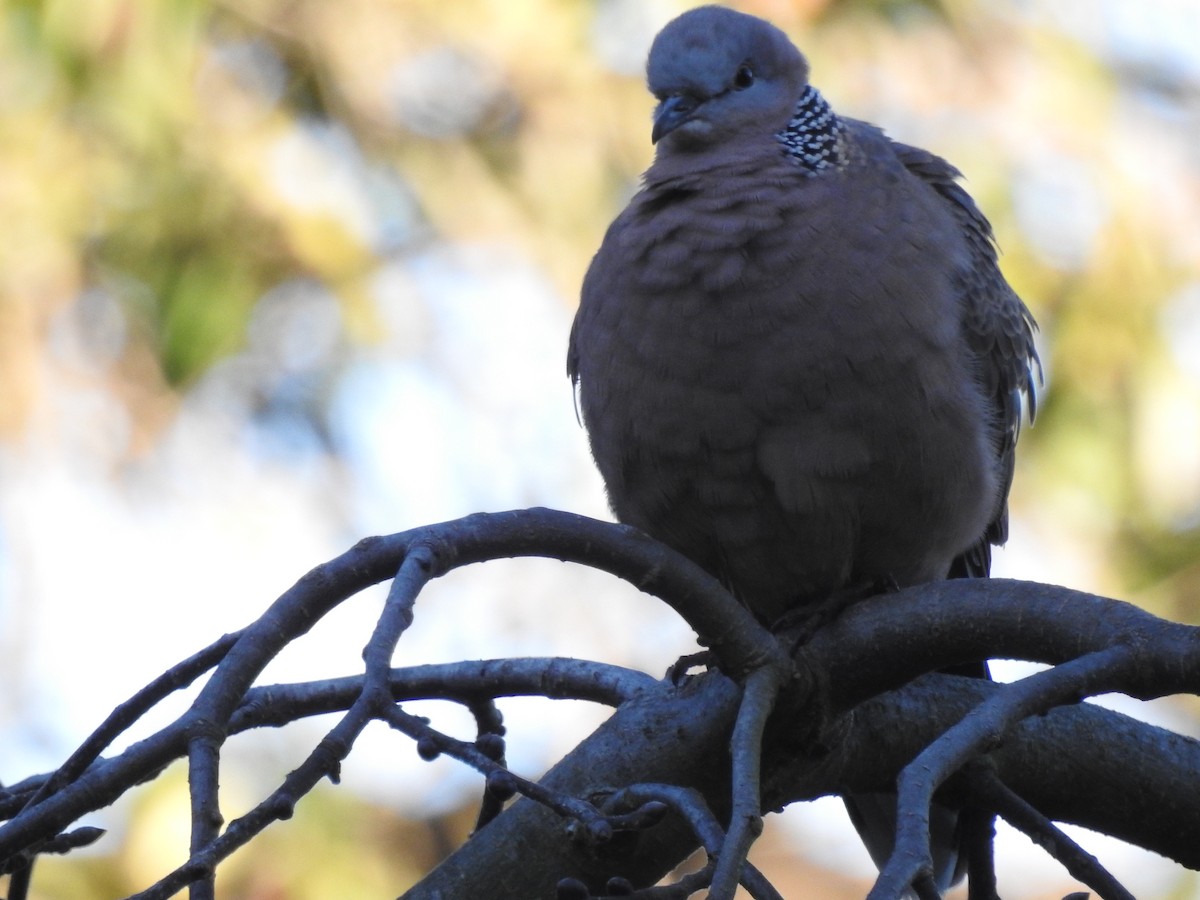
(797, 360)
(796, 357)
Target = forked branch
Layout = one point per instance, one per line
(845, 715)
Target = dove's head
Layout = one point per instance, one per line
(719, 74)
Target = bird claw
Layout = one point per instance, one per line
(802, 622)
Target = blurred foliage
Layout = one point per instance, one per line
(184, 157)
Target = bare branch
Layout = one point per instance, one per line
(847, 715)
(745, 820)
(682, 737)
(984, 728)
(690, 804)
(942, 624)
(126, 714)
(556, 678)
(989, 789)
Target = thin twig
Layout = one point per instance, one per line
(432, 743)
(980, 730)
(209, 848)
(553, 677)
(745, 818)
(691, 806)
(987, 788)
(126, 714)
(979, 837)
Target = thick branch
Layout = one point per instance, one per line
(871, 647)
(1126, 785)
(935, 626)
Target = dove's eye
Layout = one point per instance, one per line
(743, 78)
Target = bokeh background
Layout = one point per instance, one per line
(277, 274)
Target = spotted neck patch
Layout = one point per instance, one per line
(813, 139)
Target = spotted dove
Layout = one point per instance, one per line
(797, 360)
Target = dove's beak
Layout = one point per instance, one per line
(671, 113)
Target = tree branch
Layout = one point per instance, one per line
(984, 728)
(834, 727)
(682, 736)
(990, 790)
